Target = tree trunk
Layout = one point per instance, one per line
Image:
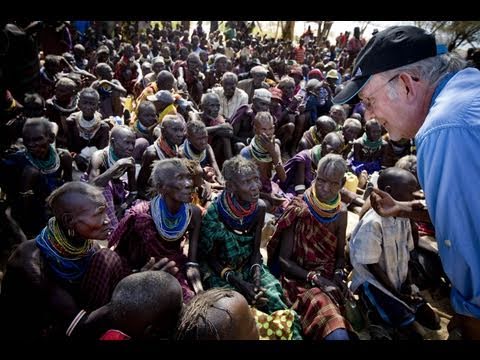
(287, 31)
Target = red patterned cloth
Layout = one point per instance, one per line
(114, 335)
(314, 249)
(136, 239)
(104, 272)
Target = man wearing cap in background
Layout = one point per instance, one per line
(242, 120)
(332, 78)
(259, 74)
(164, 104)
(410, 84)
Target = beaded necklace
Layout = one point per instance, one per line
(48, 166)
(373, 145)
(313, 133)
(140, 128)
(233, 213)
(171, 227)
(60, 243)
(164, 151)
(191, 154)
(259, 152)
(323, 212)
(67, 262)
(88, 128)
(111, 158)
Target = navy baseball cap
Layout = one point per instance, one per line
(389, 49)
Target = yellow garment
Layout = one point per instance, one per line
(351, 182)
(276, 326)
(169, 110)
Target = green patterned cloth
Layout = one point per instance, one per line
(234, 250)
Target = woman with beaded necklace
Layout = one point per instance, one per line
(30, 175)
(51, 278)
(310, 242)
(158, 227)
(229, 248)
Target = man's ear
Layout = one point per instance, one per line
(67, 220)
(344, 180)
(388, 189)
(230, 186)
(409, 86)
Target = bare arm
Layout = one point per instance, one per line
(193, 273)
(149, 156)
(213, 162)
(300, 177)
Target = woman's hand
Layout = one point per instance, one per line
(164, 264)
(193, 275)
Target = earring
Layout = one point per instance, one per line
(71, 232)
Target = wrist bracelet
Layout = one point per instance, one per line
(299, 188)
(227, 276)
(224, 272)
(339, 272)
(75, 322)
(253, 266)
(191, 263)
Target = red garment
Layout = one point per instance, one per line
(314, 249)
(114, 335)
(136, 239)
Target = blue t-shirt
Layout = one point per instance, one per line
(448, 155)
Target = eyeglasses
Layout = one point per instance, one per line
(369, 102)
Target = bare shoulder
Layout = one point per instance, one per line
(26, 259)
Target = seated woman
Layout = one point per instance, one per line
(316, 133)
(229, 248)
(368, 151)
(30, 175)
(63, 270)
(309, 243)
(157, 228)
(85, 130)
(301, 169)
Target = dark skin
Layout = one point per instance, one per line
(265, 131)
(401, 188)
(173, 132)
(177, 191)
(374, 133)
(221, 132)
(323, 126)
(327, 186)
(123, 142)
(330, 145)
(246, 188)
(199, 142)
(243, 129)
(37, 141)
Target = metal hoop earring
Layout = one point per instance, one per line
(71, 232)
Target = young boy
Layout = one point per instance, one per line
(379, 251)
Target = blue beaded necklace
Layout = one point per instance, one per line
(170, 226)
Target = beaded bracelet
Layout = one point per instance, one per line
(253, 266)
(224, 271)
(227, 276)
(310, 276)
